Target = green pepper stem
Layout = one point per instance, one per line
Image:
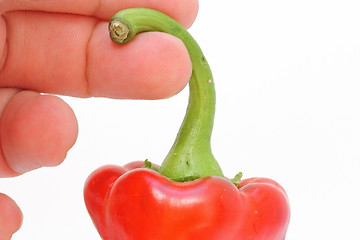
(190, 157)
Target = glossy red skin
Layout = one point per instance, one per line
(133, 203)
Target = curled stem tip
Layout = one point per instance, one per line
(118, 30)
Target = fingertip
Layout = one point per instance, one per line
(190, 12)
(36, 130)
(153, 65)
(183, 11)
(10, 217)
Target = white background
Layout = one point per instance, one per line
(287, 75)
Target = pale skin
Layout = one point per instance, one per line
(62, 47)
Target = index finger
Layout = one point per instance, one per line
(72, 55)
(183, 11)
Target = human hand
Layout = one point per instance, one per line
(62, 47)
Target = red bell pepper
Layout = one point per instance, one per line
(139, 203)
(187, 197)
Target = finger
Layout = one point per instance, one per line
(184, 11)
(73, 55)
(10, 217)
(35, 131)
